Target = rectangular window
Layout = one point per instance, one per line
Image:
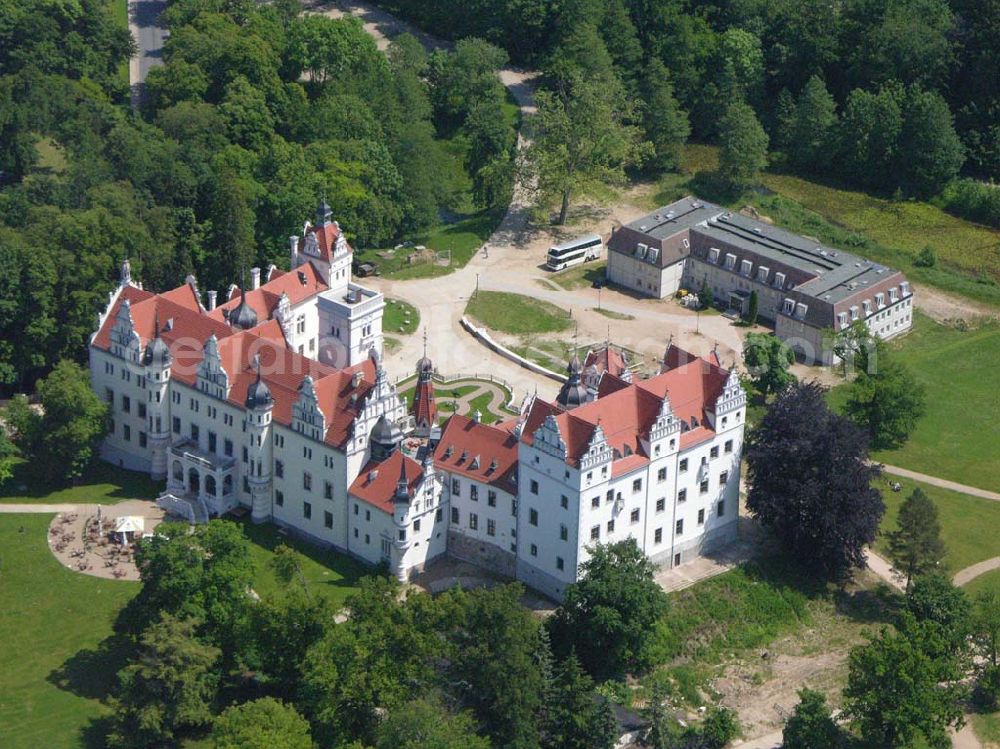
(723, 478)
(762, 272)
(142, 439)
(227, 448)
(491, 498)
(328, 519)
(730, 261)
(682, 495)
(703, 487)
(534, 550)
(126, 404)
(177, 425)
(127, 432)
(714, 452)
(684, 465)
(595, 502)
(559, 563)
(661, 504)
(142, 410)
(416, 525)
(595, 533)
(194, 432)
(637, 485)
(611, 526)
(788, 307)
(729, 446)
(563, 501)
(279, 467)
(454, 516)
(701, 517)
(661, 475)
(279, 499)
(722, 508)
(679, 528)
(307, 510)
(473, 492)
(456, 487)
(746, 267)
(779, 280)
(533, 516)
(563, 533)
(534, 487)
(634, 517)
(658, 536)
(327, 490)
(491, 527)
(307, 481)
(213, 442)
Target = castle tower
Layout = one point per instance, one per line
(424, 408)
(400, 513)
(157, 360)
(573, 392)
(259, 404)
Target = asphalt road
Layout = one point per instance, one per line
(149, 37)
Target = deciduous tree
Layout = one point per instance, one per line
(427, 724)
(767, 359)
(265, 723)
(886, 401)
(576, 717)
(810, 725)
(811, 481)
(742, 147)
(610, 613)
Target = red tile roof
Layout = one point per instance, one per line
(376, 484)
(463, 441)
(300, 284)
(424, 407)
(606, 359)
(326, 238)
(185, 332)
(626, 412)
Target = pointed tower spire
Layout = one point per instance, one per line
(125, 276)
(403, 485)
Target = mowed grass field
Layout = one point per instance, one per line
(516, 314)
(52, 622)
(959, 436)
(102, 484)
(970, 526)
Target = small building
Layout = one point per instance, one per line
(128, 528)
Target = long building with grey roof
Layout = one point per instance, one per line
(804, 289)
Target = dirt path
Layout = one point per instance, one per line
(942, 483)
(944, 307)
(973, 571)
(883, 568)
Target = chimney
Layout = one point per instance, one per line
(212, 296)
(293, 243)
(255, 278)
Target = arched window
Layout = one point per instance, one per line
(194, 483)
(178, 472)
(210, 485)
(227, 484)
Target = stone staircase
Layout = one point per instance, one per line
(184, 506)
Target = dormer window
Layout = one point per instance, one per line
(762, 273)
(788, 307)
(867, 304)
(842, 319)
(779, 280)
(713, 255)
(854, 313)
(800, 311)
(880, 300)
(894, 294)
(746, 267)
(730, 261)
(640, 250)
(905, 288)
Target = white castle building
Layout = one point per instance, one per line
(277, 402)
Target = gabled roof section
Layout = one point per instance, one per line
(626, 412)
(464, 440)
(376, 484)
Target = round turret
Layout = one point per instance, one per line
(385, 438)
(573, 392)
(243, 317)
(259, 395)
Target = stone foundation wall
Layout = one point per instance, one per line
(488, 556)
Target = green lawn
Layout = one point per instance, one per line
(580, 276)
(987, 728)
(52, 626)
(957, 439)
(51, 156)
(326, 572)
(103, 484)
(969, 525)
(400, 317)
(517, 314)
(989, 581)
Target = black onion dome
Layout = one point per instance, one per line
(259, 395)
(157, 351)
(243, 317)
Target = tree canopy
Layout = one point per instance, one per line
(915, 546)
(820, 502)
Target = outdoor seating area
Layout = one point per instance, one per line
(101, 540)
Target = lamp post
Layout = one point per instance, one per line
(598, 298)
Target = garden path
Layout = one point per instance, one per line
(973, 571)
(942, 483)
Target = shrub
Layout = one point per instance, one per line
(927, 258)
(719, 727)
(971, 199)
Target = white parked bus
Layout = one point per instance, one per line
(574, 252)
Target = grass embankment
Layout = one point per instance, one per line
(516, 314)
(325, 572)
(958, 436)
(720, 620)
(52, 626)
(969, 525)
(103, 484)
(887, 231)
(400, 317)
(580, 276)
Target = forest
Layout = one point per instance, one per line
(258, 112)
